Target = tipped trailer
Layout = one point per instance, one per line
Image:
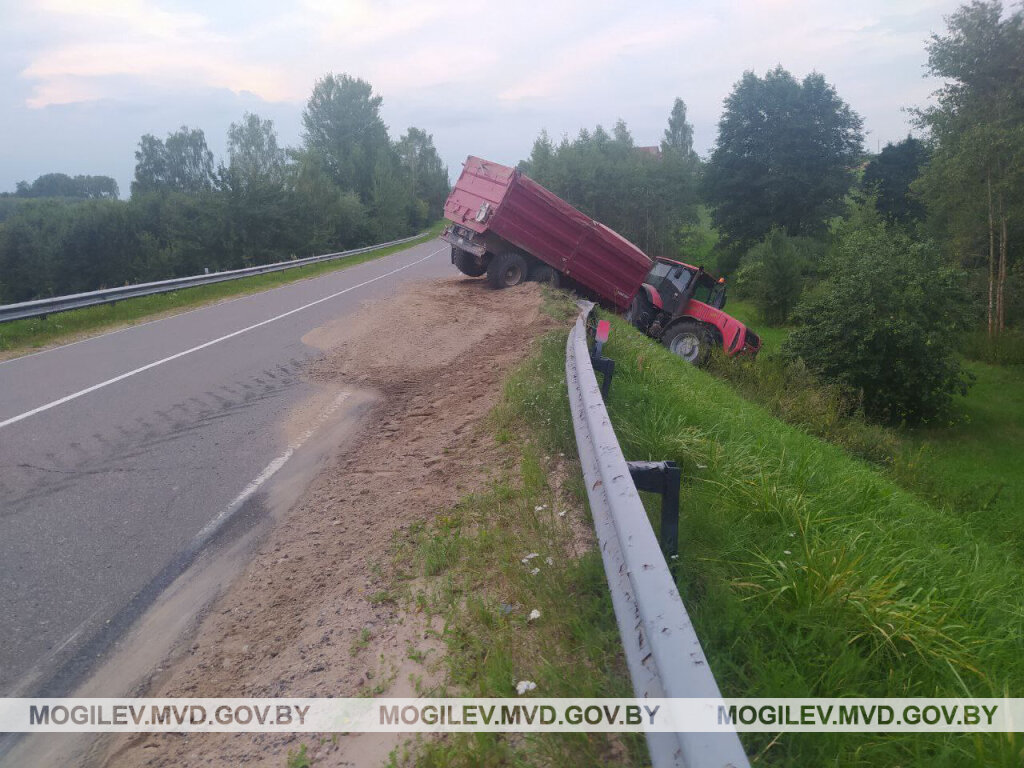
(508, 227)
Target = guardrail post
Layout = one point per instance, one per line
(601, 363)
(661, 477)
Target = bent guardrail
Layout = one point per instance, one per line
(663, 653)
(43, 307)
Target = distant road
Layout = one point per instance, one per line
(117, 452)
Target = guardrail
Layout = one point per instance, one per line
(43, 307)
(663, 653)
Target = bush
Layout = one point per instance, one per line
(884, 323)
(771, 275)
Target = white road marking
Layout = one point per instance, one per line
(270, 470)
(207, 531)
(148, 366)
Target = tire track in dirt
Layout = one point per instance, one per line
(299, 620)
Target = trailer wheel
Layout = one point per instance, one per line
(545, 274)
(466, 263)
(689, 340)
(506, 269)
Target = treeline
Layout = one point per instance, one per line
(647, 194)
(348, 184)
(62, 185)
(888, 265)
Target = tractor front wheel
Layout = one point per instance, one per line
(689, 340)
(640, 313)
(506, 270)
(466, 263)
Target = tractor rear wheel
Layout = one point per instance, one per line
(466, 263)
(689, 340)
(506, 269)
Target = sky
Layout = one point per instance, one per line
(82, 80)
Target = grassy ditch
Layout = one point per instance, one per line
(20, 337)
(808, 572)
(972, 465)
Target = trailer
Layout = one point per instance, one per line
(510, 228)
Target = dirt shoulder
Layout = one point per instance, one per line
(310, 616)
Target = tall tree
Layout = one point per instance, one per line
(253, 153)
(974, 185)
(342, 123)
(426, 172)
(890, 175)
(679, 134)
(783, 158)
(182, 163)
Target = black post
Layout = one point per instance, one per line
(664, 478)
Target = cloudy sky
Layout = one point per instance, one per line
(82, 80)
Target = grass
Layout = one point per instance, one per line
(468, 567)
(972, 466)
(21, 337)
(809, 572)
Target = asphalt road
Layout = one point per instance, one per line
(117, 452)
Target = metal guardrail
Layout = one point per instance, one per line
(43, 307)
(663, 653)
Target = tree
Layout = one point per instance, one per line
(253, 154)
(783, 158)
(425, 171)
(973, 185)
(343, 124)
(889, 176)
(679, 134)
(884, 324)
(182, 163)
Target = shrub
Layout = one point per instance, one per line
(771, 275)
(884, 323)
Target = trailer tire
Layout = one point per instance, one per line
(545, 274)
(506, 270)
(690, 340)
(466, 263)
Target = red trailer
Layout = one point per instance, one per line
(509, 226)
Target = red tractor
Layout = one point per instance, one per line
(681, 306)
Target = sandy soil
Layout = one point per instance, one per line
(299, 620)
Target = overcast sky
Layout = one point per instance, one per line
(82, 80)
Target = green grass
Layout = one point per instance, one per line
(808, 572)
(972, 465)
(975, 466)
(23, 336)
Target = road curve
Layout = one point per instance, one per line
(118, 454)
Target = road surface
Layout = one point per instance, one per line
(121, 453)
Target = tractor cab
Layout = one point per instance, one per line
(676, 283)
